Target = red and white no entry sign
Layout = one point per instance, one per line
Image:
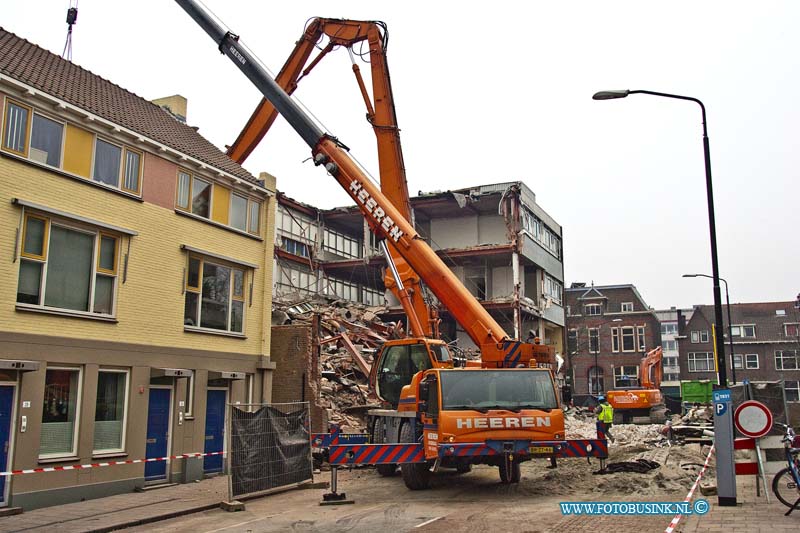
(753, 419)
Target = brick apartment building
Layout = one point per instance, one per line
(766, 345)
(609, 330)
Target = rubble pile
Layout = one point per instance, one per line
(582, 425)
(349, 336)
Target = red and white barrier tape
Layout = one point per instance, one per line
(108, 463)
(688, 498)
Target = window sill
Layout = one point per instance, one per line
(192, 329)
(109, 455)
(64, 312)
(218, 224)
(75, 177)
(51, 460)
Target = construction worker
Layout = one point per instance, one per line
(605, 416)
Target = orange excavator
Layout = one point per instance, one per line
(642, 402)
(502, 411)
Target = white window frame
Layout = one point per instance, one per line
(641, 338)
(669, 328)
(599, 308)
(615, 340)
(123, 440)
(596, 332)
(692, 359)
(622, 338)
(747, 360)
(786, 325)
(626, 307)
(737, 361)
(700, 336)
(621, 369)
(783, 355)
(78, 408)
(796, 388)
(740, 329)
(189, 407)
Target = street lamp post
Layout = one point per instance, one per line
(596, 376)
(730, 324)
(723, 431)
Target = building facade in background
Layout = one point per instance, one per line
(138, 267)
(609, 329)
(501, 244)
(766, 345)
(672, 321)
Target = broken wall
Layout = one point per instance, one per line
(296, 375)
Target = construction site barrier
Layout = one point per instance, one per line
(108, 463)
(270, 447)
(688, 498)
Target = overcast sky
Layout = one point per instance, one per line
(499, 91)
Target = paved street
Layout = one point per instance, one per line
(469, 503)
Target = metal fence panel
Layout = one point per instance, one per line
(270, 447)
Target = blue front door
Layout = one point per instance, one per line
(6, 407)
(157, 433)
(215, 430)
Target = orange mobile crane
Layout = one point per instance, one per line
(503, 412)
(641, 402)
(423, 320)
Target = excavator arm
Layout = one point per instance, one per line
(651, 369)
(497, 349)
(423, 319)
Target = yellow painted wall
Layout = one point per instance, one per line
(150, 304)
(220, 204)
(78, 151)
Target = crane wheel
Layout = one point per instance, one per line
(510, 471)
(416, 476)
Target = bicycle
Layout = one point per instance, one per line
(786, 484)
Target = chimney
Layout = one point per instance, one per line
(175, 105)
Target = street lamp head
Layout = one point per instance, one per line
(690, 275)
(610, 95)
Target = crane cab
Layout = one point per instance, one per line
(400, 359)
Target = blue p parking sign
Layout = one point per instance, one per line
(722, 399)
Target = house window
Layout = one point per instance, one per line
(214, 296)
(787, 360)
(594, 340)
(255, 217)
(792, 387)
(592, 309)
(614, 340)
(193, 194)
(109, 168)
(751, 361)
(67, 268)
(640, 338)
(60, 412)
(700, 337)
(628, 339)
(15, 127)
(737, 362)
(701, 362)
(238, 217)
(46, 140)
(627, 307)
(552, 288)
(669, 328)
(791, 330)
(671, 361)
(626, 376)
(341, 245)
(294, 247)
(670, 346)
(745, 332)
(596, 382)
(110, 411)
(572, 341)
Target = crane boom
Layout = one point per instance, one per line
(497, 349)
(423, 318)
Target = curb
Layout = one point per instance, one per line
(155, 518)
